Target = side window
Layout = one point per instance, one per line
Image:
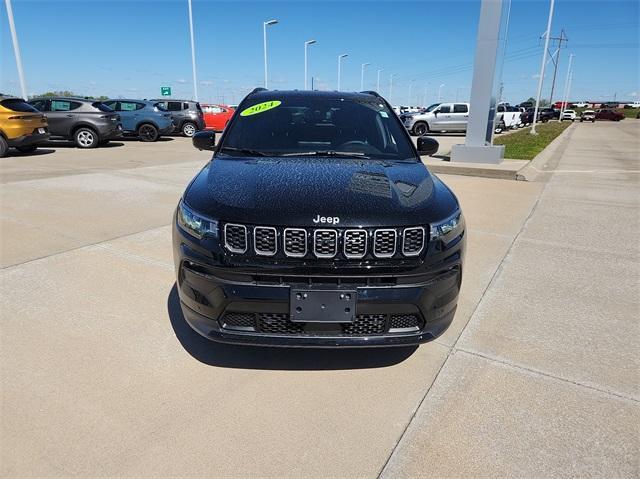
(174, 106)
(111, 104)
(139, 106)
(39, 104)
(444, 109)
(127, 106)
(213, 109)
(60, 105)
(461, 108)
(185, 106)
(74, 105)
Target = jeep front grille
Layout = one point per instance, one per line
(384, 243)
(295, 242)
(412, 241)
(265, 240)
(355, 243)
(325, 243)
(235, 238)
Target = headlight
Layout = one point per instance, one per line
(196, 224)
(448, 228)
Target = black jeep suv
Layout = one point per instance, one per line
(316, 224)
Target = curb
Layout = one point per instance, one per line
(472, 170)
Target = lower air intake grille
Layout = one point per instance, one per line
(277, 324)
(402, 321)
(365, 324)
(242, 320)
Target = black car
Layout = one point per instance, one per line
(316, 224)
(544, 115)
(187, 115)
(88, 123)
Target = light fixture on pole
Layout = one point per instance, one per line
(264, 31)
(547, 34)
(16, 50)
(340, 57)
(440, 92)
(391, 85)
(364, 65)
(193, 54)
(380, 70)
(306, 45)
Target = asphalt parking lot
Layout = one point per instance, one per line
(537, 376)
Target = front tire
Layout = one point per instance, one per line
(420, 128)
(27, 149)
(4, 147)
(189, 129)
(148, 133)
(86, 138)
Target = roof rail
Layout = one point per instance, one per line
(256, 90)
(371, 92)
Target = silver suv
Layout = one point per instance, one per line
(438, 117)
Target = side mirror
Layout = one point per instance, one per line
(435, 113)
(427, 146)
(204, 140)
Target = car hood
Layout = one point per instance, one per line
(295, 191)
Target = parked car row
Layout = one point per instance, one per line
(91, 123)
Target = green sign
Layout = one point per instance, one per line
(165, 90)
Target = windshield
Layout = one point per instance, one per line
(304, 125)
(432, 107)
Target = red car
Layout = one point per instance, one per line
(216, 117)
(607, 114)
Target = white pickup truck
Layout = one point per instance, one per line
(507, 117)
(437, 118)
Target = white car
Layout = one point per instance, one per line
(635, 104)
(568, 115)
(581, 104)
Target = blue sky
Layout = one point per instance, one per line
(131, 48)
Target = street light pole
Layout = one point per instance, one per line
(193, 54)
(340, 57)
(440, 92)
(16, 50)
(362, 76)
(391, 85)
(306, 45)
(264, 32)
(380, 70)
(544, 62)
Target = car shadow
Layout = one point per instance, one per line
(38, 152)
(135, 139)
(297, 359)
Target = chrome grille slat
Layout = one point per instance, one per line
(325, 243)
(265, 240)
(235, 238)
(355, 243)
(295, 242)
(384, 243)
(413, 241)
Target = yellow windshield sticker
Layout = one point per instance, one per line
(260, 107)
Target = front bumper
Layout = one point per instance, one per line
(210, 291)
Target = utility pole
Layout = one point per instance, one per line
(566, 86)
(562, 38)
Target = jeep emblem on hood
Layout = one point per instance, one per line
(334, 220)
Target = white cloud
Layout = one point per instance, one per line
(535, 76)
(206, 82)
(181, 81)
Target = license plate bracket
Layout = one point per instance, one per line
(322, 305)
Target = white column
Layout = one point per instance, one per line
(16, 50)
(544, 63)
(193, 55)
(477, 147)
(362, 75)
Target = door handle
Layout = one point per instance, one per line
(69, 116)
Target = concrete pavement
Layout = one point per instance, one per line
(101, 376)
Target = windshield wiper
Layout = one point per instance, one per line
(246, 151)
(345, 154)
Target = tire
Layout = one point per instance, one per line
(581, 120)
(573, 120)
(27, 149)
(188, 129)
(593, 121)
(420, 128)
(86, 138)
(148, 133)
(4, 147)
